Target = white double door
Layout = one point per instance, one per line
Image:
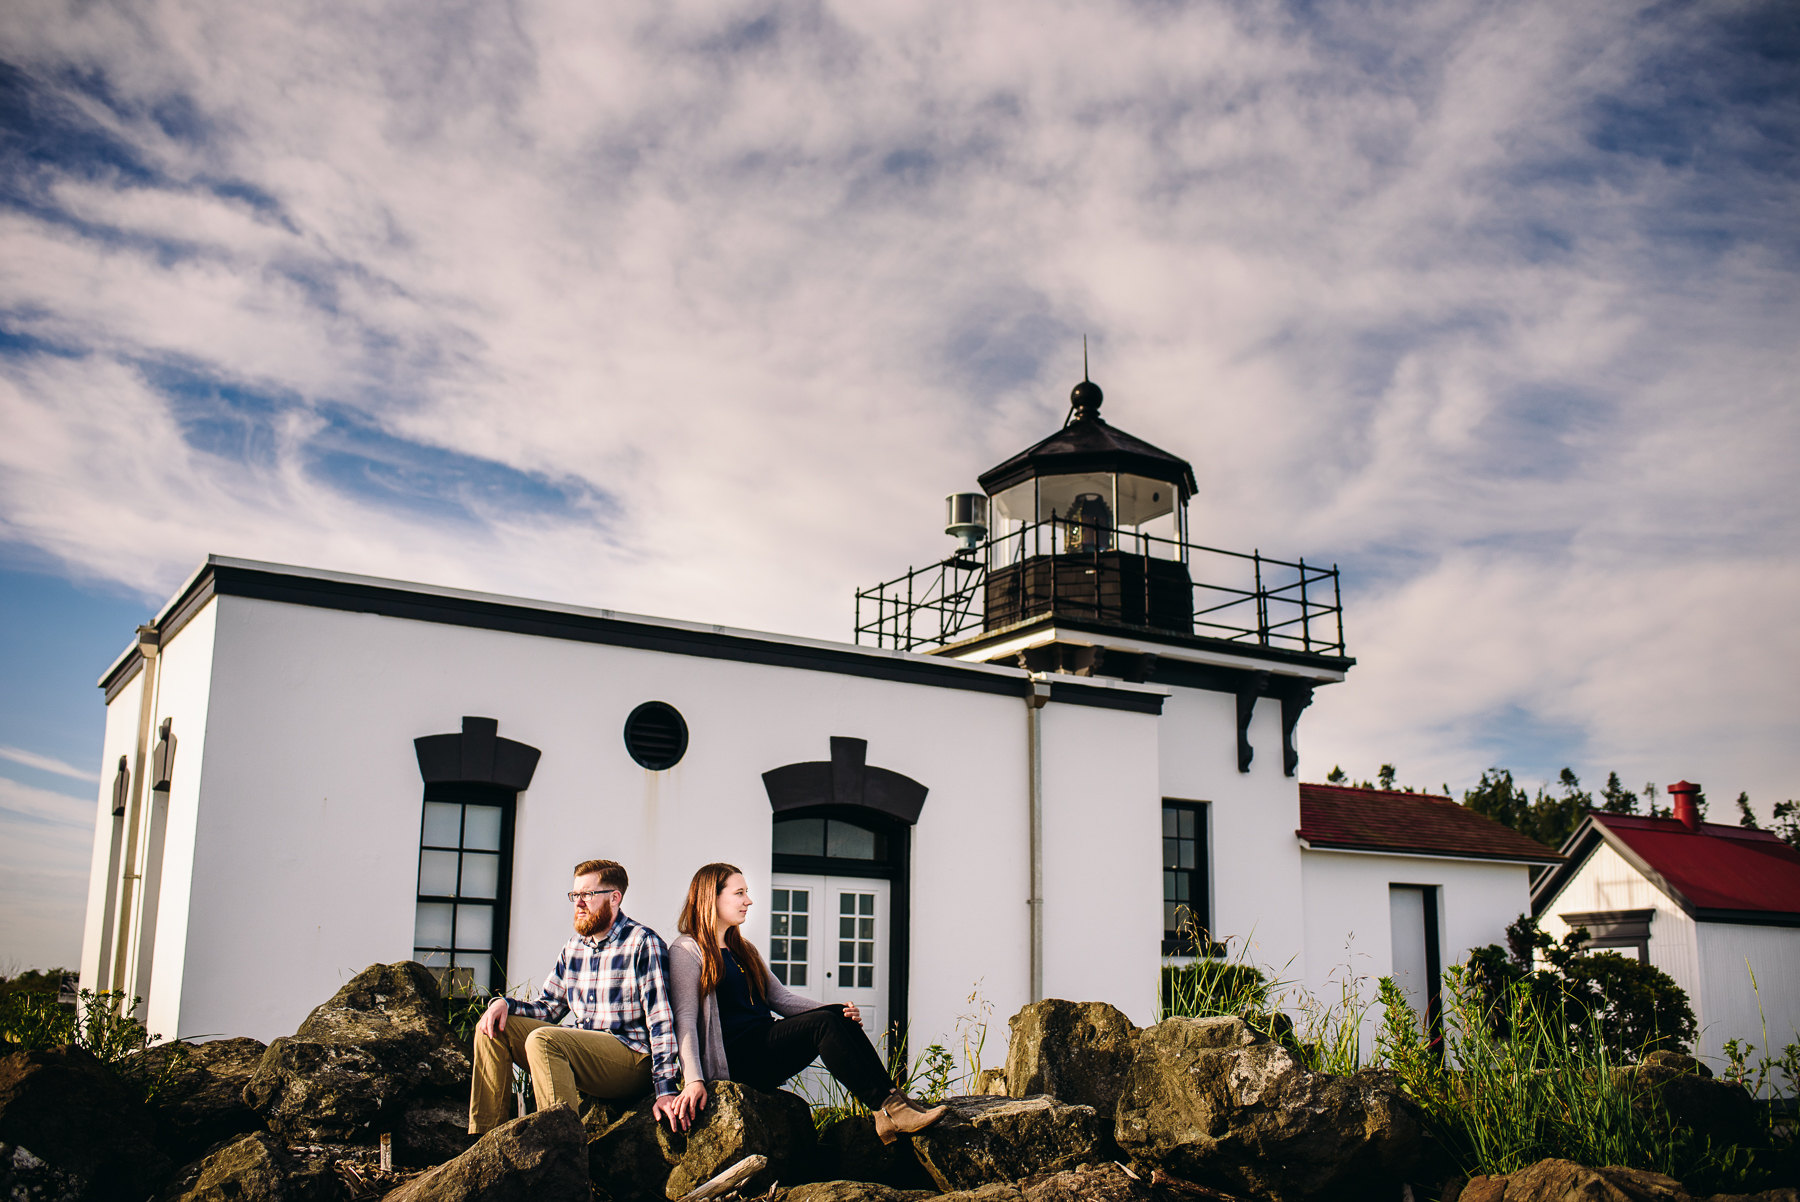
(828, 939)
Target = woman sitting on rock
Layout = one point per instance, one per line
(723, 993)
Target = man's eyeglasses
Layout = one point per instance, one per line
(575, 898)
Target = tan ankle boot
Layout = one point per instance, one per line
(900, 1115)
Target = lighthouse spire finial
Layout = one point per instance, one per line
(1085, 397)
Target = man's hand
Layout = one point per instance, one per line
(683, 1108)
(493, 1019)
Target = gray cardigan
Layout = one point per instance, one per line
(697, 1020)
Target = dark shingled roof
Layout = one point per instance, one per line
(1090, 445)
(1333, 816)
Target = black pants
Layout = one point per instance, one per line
(766, 1056)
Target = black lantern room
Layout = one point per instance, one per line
(1090, 522)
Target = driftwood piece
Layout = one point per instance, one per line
(729, 1180)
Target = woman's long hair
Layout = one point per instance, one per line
(700, 919)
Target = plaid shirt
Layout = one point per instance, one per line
(620, 985)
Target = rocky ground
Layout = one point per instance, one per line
(1185, 1111)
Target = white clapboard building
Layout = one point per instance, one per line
(1038, 757)
(1716, 907)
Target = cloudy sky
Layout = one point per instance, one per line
(698, 310)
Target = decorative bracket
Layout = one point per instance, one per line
(162, 760)
(1256, 686)
(1297, 698)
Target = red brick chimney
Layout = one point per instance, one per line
(1681, 797)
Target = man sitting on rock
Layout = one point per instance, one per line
(614, 977)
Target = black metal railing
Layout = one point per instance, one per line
(1080, 569)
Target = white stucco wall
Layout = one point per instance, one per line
(1608, 882)
(1256, 881)
(1102, 859)
(1348, 930)
(305, 851)
(120, 739)
(183, 695)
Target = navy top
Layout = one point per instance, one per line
(738, 1011)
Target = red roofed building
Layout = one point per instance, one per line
(1707, 903)
(1402, 884)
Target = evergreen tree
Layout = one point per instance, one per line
(1787, 821)
(1650, 800)
(1619, 799)
(1386, 775)
(1554, 819)
(1336, 776)
(1746, 815)
(1496, 796)
(1700, 803)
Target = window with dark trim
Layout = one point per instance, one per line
(465, 885)
(1186, 877)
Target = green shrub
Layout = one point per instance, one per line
(98, 1022)
(1632, 1007)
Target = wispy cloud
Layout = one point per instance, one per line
(44, 763)
(699, 309)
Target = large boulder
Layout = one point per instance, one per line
(989, 1140)
(1566, 1181)
(1211, 1101)
(201, 1099)
(62, 1107)
(1679, 1091)
(539, 1158)
(252, 1168)
(638, 1159)
(378, 1049)
(1077, 1052)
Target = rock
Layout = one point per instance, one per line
(1077, 1052)
(252, 1168)
(541, 1158)
(984, 1140)
(202, 1101)
(1088, 1183)
(853, 1191)
(359, 1062)
(997, 1192)
(849, 1150)
(1566, 1181)
(991, 1083)
(1723, 1111)
(63, 1107)
(640, 1158)
(25, 1178)
(1213, 1102)
(435, 1128)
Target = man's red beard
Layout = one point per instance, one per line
(597, 919)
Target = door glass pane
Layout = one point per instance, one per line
(481, 828)
(431, 926)
(787, 956)
(437, 873)
(475, 927)
(443, 824)
(856, 940)
(480, 875)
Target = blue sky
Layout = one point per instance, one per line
(1494, 305)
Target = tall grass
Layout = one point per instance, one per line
(1499, 1104)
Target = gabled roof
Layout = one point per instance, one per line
(1337, 818)
(1715, 873)
(1090, 445)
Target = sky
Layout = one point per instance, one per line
(699, 310)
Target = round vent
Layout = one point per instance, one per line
(656, 735)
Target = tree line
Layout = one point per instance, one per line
(1551, 817)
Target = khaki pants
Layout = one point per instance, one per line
(564, 1062)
